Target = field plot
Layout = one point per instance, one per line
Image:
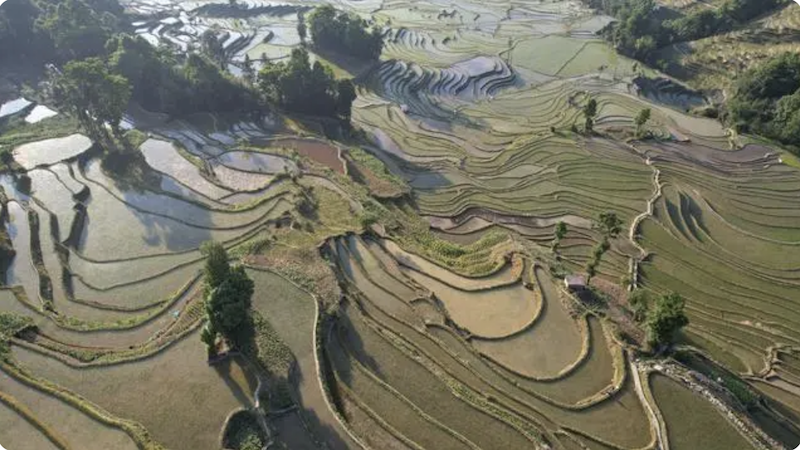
(682, 410)
(409, 289)
(164, 386)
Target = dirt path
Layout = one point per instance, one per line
(634, 262)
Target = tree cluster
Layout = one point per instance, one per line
(228, 293)
(301, 87)
(342, 32)
(766, 100)
(90, 92)
(610, 226)
(58, 30)
(643, 27)
(663, 317)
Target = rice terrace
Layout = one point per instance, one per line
(399, 225)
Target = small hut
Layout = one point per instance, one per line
(575, 283)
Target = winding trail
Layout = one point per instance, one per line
(657, 191)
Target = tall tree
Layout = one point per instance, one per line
(609, 224)
(665, 319)
(228, 293)
(641, 120)
(345, 33)
(79, 29)
(95, 96)
(560, 232)
(590, 111)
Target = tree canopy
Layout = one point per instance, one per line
(590, 112)
(165, 82)
(301, 87)
(228, 293)
(94, 95)
(643, 27)
(766, 100)
(665, 319)
(609, 224)
(641, 120)
(342, 32)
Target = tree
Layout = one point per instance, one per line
(302, 30)
(94, 95)
(639, 302)
(228, 293)
(247, 70)
(560, 232)
(609, 224)
(641, 120)
(211, 47)
(80, 29)
(665, 319)
(590, 111)
(300, 87)
(228, 305)
(345, 33)
(217, 268)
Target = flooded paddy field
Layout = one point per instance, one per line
(436, 319)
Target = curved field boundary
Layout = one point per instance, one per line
(618, 360)
(537, 314)
(258, 227)
(135, 430)
(736, 417)
(392, 391)
(173, 333)
(23, 411)
(501, 263)
(319, 322)
(344, 391)
(503, 394)
(649, 402)
(583, 328)
(141, 210)
(477, 400)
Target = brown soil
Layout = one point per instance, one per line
(320, 152)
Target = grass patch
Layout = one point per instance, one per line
(17, 132)
(369, 170)
(243, 432)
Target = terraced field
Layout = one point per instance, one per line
(406, 282)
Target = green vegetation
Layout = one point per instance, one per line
(343, 32)
(665, 319)
(243, 432)
(641, 120)
(58, 31)
(642, 27)
(610, 226)
(300, 87)
(163, 81)
(559, 233)
(732, 383)
(639, 303)
(10, 325)
(766, 100)
(228, 293)
(590, 112)
(692, 422)
(93, 95)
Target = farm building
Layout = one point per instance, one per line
(575, 283)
